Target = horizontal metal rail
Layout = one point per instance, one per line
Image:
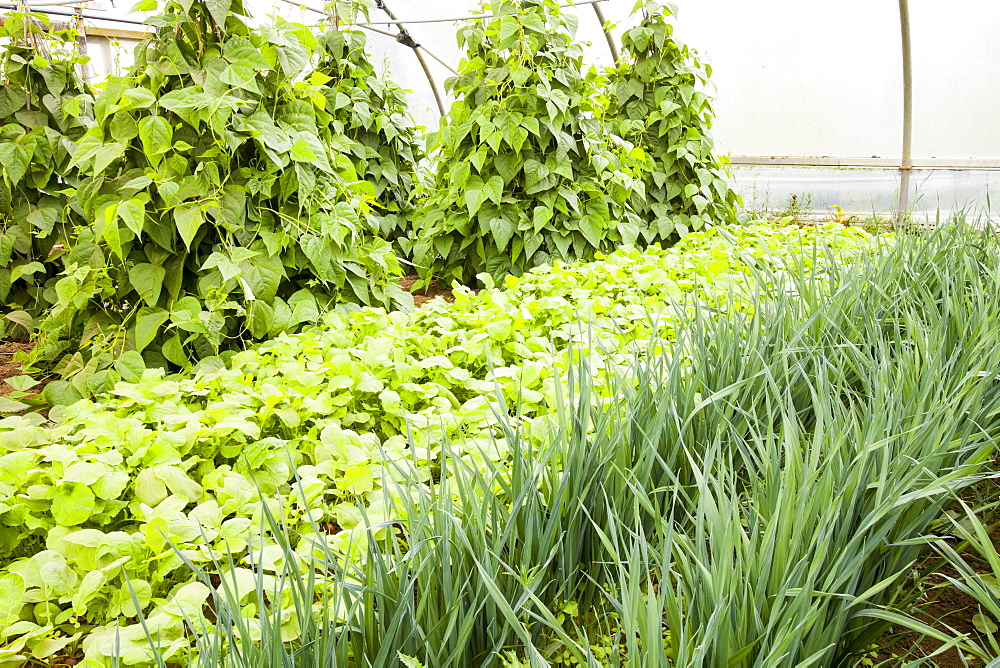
(876, 163)
(470, 17)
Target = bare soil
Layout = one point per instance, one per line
(8, 367)
(422, 296)
(947, 609)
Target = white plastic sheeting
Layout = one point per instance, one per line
(825, 79)
(938, 193)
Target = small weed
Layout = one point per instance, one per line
(796, 209)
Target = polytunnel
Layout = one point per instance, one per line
(278, 388)
(809, 97)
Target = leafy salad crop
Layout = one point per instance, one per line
(93, 500)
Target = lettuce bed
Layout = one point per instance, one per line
(93, 499)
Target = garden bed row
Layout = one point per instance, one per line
(101, 503)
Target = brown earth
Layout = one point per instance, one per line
(432, 291)
(947, 609)
(8, 367)
(944, 606)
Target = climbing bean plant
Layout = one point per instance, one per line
(370, 112)
(657, 101)
(227, 206)
(524, 168)
(44, 109)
